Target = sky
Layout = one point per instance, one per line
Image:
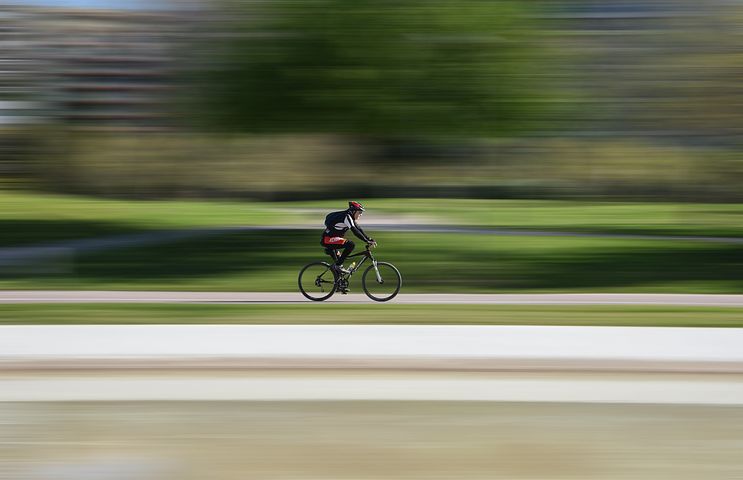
(109, 4)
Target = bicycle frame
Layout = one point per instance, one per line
(367, 255)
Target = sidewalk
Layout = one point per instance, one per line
(441, 347)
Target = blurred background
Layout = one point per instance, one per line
(290, 99)
(120, 119)
(498, 146)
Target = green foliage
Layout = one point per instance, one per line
(701, 90)
(270, 260)
(388, 68)
(27, 218)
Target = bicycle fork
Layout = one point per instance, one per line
(376, 271)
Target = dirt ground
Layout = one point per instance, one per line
(368, 440)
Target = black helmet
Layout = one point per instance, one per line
(355, 207)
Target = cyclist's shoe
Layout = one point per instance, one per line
(340, 269)
(344, 290)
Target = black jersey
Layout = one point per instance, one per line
(338, 223)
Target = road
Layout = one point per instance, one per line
(370, 385)
(91, 296)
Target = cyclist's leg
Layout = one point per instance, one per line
(348, 247)
(334, 252)
(332, 246)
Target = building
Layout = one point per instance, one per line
(89, 68)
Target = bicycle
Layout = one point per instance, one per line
(382, 286)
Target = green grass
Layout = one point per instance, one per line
(27, 217)
(575, 216)
(326, 313)
(270, 261)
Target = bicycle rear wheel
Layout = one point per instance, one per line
(383, 287)
(317, 281)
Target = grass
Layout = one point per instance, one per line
(27, 217)
(326, 313)
(270, 261)
(573, 216)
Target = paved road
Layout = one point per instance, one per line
(368, 347)
(340, 385)
(77, 296)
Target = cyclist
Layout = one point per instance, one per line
(336, 226)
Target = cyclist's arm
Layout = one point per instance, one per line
(357, 230)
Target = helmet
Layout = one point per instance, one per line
(355, 206)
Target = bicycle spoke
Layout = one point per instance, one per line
(381, 283)
(313, 282)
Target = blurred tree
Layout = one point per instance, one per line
(383, 69)
(668, 70)
(700, 69)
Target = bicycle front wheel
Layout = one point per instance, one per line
(381, 282)
(317, 281)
